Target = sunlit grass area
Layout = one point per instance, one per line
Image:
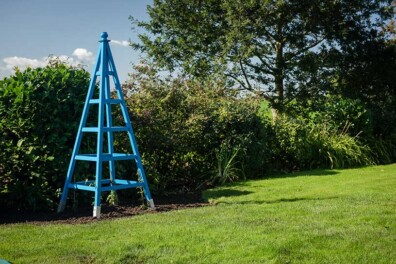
(321, 216)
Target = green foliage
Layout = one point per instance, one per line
(384, 150)
(112, 198)
(278, 49)
(356, 117)
(368, 74)
(226, 170)
(302, 144)
(346, 115)
(192, 133)
(40, 110)
(179, 125)
(329, 65)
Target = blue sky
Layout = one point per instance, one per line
(33, 29)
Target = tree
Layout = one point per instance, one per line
(275, 48)
(369, 74)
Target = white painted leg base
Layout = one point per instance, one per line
(61, 207)
(96, 211)
(151, 203)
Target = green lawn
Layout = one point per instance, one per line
(323, 216)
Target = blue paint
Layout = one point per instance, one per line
(104, 68)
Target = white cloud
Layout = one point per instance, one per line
(9, 63)
(21, 62)
(83, 54)
(123, 43)
(80, 56)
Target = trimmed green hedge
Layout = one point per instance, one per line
(40, 111)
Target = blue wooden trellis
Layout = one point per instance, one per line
(104, 68)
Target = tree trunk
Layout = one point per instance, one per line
(279, 76)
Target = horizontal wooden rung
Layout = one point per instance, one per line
(105, 129)
(86, 157)
(90, 129)
(122, 156)
(98, 73)
(108, 101)
(81, 186)
(115, 185)
(115, 129)
(94, 101)
(105, 157)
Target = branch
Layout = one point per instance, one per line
(239, 81)
(259, 68)
(244, 74)
(262, 45)
(317, 42)
(265, 63)
(257, 92)
(268, 33)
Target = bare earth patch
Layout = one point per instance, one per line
(84, 215)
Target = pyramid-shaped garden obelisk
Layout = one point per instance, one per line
(104, 70)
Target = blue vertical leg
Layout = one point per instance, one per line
(99, 148)
(110, 139)
(131, 135)
(141, 173)
(77, 143)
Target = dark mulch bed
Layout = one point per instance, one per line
(84, 215)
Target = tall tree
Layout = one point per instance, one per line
(369, 74)
(275, 48)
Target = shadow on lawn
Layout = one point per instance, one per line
(231, 192)
(213, 194)
(317, 172)
(281, 200)
(313, 173)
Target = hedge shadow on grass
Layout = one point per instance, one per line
(318, 172)
(281, 200)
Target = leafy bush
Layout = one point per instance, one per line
(384, 150)
(302, 144)
(343, 114)
(226, 166)
(181, 124)
(40, 110)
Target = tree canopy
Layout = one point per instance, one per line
(279, 49)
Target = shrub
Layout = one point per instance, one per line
(181, 124)
(40, 110)
(302, 144)
(343, 114)
(384, 150)
(226, 166)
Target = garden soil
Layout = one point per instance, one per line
(84, 215)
